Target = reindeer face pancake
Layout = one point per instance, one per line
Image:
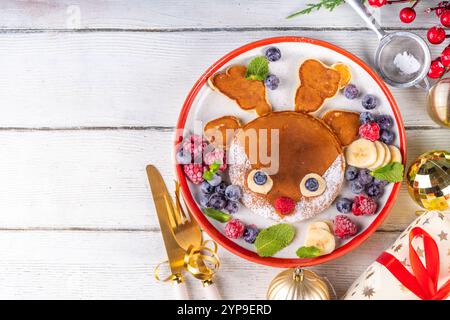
(306, 147)
(288, 156)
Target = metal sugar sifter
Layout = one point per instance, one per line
(390, 46)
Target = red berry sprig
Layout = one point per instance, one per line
(437, 35)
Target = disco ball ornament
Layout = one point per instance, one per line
(428, 180)
(298, 284)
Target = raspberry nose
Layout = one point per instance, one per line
(284, 205)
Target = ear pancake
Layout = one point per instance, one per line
(220, 131)
(317, 83)
(248, 94)
(345, 124)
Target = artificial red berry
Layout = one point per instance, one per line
(370, 131)
(284, 205)
(445, 57)
(436, 35)
(441, 7)
(194, 171)
(234, 229)
(364, 205)
(377, 3)
(407, 15)
(437, 69)
(344, 227)
(445, 18)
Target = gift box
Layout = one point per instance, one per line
(416, 266)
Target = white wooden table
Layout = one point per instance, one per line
(89, 94)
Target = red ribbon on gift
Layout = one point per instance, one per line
(423, 281)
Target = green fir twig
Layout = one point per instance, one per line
(329, 5)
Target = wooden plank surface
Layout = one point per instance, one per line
(119, 265)
(95, 179)
(106, 79)
(176, 14)
(90, 92)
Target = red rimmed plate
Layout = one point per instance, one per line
(203, 104)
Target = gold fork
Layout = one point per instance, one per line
(188, 235)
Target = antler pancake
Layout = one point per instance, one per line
(248, 94)
(317, 83)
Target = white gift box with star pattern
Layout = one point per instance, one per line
(378, 283)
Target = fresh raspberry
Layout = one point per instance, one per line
(234, 229)
(284, 205)
(216, 156)
(195, 144)
(363, 205)
(370, 131)
(194, 172)
(344, 227)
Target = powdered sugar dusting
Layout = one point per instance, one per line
(306, 208)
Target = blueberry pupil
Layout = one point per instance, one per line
(312, 184)
(260, 178)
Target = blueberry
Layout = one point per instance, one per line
(272, 82)
(221, 188)
(344, 205)
(232, 207)
(204, 200)
(351, 173)
(351, 92)
(356, 187)
(215, 180)
(312, 184)
(382, 183)
(217, 201)
(369, 102)
(385, 121)
(206, 188)
(183, 156)
(260, 178)
(366, 117)
(364, 177)
(387, 136)
(250, 233)
(233, 193)
(273, 54)
(374, 190)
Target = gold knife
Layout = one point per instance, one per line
(175, 254)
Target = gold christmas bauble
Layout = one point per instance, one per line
(298, 284)
(428, 180)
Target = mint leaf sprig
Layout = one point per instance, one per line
(257, 69)
(392, 172)
(274, 238)
(308, 252)
(213, 168)
(217, 215)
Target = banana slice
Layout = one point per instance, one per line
(381, 153)
(321, 239)
(396, 155)
(321, 185)
(387, 157)
(361, 153)
(319, 225)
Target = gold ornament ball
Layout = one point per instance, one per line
(428, 180)
(298, 284)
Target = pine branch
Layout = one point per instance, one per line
(329, 5)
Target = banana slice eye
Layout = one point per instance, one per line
(258, 181)
(312, 185)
